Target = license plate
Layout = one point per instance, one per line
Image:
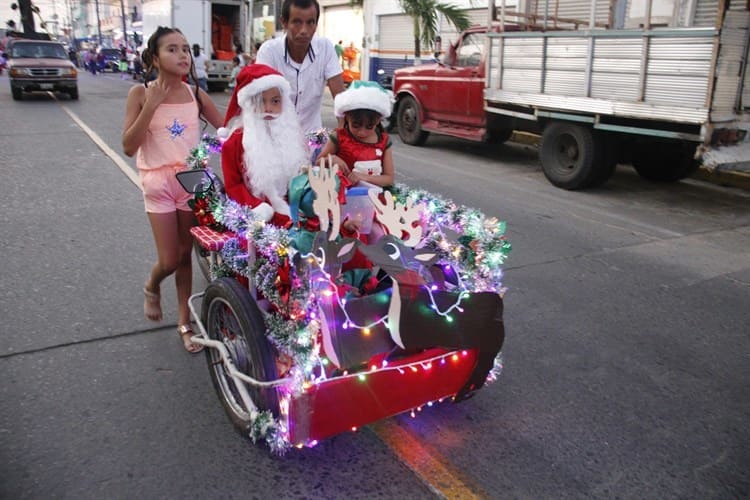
(46, 86)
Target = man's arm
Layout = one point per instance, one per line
(336, 84)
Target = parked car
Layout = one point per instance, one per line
(111, 60)
(39, 65)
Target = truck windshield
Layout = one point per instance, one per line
(38, 51)
(469, 53)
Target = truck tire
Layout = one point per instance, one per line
(409, 122)
(499, 135)
(665, 162)
(570, 156)
(17, 93)
(608, 147)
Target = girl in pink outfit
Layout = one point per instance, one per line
(162, 124)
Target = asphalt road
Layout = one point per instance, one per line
(626, 357)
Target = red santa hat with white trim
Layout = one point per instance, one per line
(251, 80)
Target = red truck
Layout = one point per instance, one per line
(663, 99)
(448, 97)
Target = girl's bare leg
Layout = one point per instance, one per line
(184, 271)
(164, 229)
(174, 245)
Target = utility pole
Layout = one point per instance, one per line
(124, 23)
(72, 22)
(27, 16)
(98, 24)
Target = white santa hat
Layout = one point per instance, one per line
(251, 81)
(364, 95)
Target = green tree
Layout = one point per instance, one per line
(424, 14)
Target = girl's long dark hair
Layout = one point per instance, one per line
(152, 50)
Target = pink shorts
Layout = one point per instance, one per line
(162, 194)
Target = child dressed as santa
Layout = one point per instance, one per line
(264, 147)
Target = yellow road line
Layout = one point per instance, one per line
(434, 470)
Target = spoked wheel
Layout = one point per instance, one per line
(410, 123)
(201, 255)
(231, 317)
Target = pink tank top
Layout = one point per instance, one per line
(173, 132)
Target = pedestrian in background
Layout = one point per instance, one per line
(137, 66)
(236, 67)
(308, 62)
(162, 125)
(200, 63)
(340, 51)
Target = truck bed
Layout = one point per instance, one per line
(659, 75)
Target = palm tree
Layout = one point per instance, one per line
(424, 14)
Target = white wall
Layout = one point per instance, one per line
(373, 9)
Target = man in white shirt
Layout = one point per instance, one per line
(200, 62)
(308, 63)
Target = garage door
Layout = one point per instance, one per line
(341, 23)
(396, 34)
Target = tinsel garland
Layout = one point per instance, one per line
(265, 427)
(472, 245)
(478, 248)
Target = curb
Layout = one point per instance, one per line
(728, 178)
(740, 180)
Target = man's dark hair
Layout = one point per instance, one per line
(300, 4)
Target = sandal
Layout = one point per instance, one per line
(152, 305)
(190, 347)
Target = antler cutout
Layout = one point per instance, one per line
(323, 182)
(400, 219)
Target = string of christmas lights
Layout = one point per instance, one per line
(469, 246)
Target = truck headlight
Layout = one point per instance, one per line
(20, 72)
(69, 72)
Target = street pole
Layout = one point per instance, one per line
(69, 8)
(124, 24)
(98, 24)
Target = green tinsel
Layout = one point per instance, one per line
(463, 237)
(265, 427)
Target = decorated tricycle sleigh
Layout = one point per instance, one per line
(301, 348)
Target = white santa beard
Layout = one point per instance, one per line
(274, 152)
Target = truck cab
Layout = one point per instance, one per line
(447, 97)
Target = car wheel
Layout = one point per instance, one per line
(17, 93)
(409, 122)
(74, 94)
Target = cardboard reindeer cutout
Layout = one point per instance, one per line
(421, 310)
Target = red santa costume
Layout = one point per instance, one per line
(262, 152)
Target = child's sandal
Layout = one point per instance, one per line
(186, 330)
(152, 305)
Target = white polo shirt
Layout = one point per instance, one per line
(308, 79)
